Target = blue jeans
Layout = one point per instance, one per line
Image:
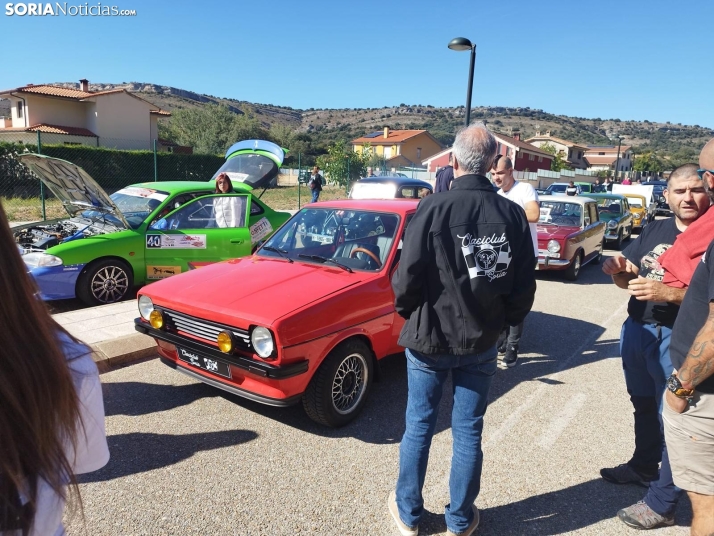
(647, 365)
(315, 195)
(471, 378)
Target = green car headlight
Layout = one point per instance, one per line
(612, 224)
(38, 259)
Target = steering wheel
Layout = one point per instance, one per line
(368, 253)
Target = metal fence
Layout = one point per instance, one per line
(113, 164)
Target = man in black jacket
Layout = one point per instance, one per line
(467, 267)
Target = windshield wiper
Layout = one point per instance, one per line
(282, 252)
(318, 258)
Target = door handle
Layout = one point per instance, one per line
(237, 240)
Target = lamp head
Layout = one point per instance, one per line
(460, 43)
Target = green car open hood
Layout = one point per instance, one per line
(252, 162)
(72, 186)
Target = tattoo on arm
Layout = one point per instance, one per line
(699, 363)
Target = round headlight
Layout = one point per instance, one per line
(612, 224)
(225, 342)
(156, 319)
(262, 341)
(553, 246)
(146, 306)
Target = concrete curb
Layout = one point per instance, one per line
(122, 351)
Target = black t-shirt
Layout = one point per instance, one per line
(693, 314)
(654, 240)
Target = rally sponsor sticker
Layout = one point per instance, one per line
(162, 241)
(260, 230)
(159, 272)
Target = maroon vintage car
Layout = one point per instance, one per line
(570, 234)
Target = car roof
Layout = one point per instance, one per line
(577, 199)
(607, 196)
(399, 206)
(399, 181)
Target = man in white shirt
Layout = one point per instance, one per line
(524, 195)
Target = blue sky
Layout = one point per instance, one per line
(610, 59)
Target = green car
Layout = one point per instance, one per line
(615, 212)
(145, 232)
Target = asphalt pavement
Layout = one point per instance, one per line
(190, 459)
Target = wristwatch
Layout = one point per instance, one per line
(674, 385)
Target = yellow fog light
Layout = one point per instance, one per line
(225, 342)
(156, 319)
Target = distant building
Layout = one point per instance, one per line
(573, 153)
(114, 118)
(604, 157)
(399, 148)
(525, 157)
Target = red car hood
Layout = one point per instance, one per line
(555, 232)
(250, 290)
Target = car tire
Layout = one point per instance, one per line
(105, 281)
(573, 271)
(338, 390)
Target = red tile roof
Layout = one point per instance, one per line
(52, 129)
(395, 136)
(521, 144)
(160, 112)
(557, 140)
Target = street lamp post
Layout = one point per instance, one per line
(460, 44)
(617, 163)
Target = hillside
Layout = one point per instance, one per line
(325, 125)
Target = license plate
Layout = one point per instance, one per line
(204, 363)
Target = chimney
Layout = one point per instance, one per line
(386, 132)
(84, 85)
(516, 134)
(547, 133)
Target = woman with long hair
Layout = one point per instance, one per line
(51, 407)
(227, 211)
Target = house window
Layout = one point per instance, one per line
(540, 159)
(570, 154)
(531, 157)
(419, 153)
(20, 109)
(580, 154)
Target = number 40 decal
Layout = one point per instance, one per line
(153, 241)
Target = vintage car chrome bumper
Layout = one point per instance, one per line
(547, 262)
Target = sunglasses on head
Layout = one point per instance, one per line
(701, 172)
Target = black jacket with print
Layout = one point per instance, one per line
(467, 266)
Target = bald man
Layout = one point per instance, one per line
(688, 411)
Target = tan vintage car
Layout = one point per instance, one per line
(641, 215)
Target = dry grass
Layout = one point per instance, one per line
(18, 209)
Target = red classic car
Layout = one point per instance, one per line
(305, 318)
(570, 234)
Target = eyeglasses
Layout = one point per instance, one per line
(701, 172)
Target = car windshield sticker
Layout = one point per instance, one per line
(237, 177)
(544, 214)
(260, 230)
(159, 272)
(143, 192)
(373, 191)
(487, 256)
(161, 241)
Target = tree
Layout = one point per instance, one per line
(648, 162)
(210, 129)
(342, 165)
(558, 163)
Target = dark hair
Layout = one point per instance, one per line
(506, 161)
(225, 177)
(39, 407)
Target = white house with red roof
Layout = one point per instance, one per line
(114, 118)
(605, 157)
(571, 152)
